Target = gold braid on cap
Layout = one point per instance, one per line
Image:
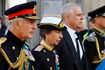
(34, 9)
(61, 25)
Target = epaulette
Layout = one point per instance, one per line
(38, 48)
(2, 40)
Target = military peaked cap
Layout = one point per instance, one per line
(52, 23)
(26, 10)
(98, 12)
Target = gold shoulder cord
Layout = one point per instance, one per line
(100, 56)
(2, 40)
(19, 62)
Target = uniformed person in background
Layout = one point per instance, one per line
(44, 53)
(94, 42)
(3, 26)
(22, 25)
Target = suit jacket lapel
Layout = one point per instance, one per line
(69, 41)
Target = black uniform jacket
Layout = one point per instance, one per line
(10, 48)
(68, 58)
(45, 58)
(91, 49)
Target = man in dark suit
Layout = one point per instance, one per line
(71, 53)
(95, 41)
(13, 56)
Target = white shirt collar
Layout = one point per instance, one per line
(71, 31)
(73, 37)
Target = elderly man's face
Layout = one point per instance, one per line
(27, 28)
(75, 19)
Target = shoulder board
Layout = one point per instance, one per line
(38, 48)
(2, 40)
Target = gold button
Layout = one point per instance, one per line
(13, 48)
(59, 68)
(51, 68)
(44, 51)
(48, 59)
(17, 58)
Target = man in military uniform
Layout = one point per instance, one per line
(44, 53)
(94, 42)
(22, 24)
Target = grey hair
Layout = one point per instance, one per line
(68, 8)
(10, 23)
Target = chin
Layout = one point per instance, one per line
(30, 36)
(56, 43)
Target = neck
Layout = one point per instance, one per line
(100, 28)
(15, 32)
(70, 26)
(49, 42)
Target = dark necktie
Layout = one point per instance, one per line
(79, 38)
(78, 51)
(78, 46)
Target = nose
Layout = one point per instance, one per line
(34, 26)
(82, 17)
(60, 35)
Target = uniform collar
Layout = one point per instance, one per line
(11, 37)
(99, 31)
(46, 45)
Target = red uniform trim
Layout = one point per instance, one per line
(22, 12)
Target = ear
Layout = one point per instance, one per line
(16, 22)
(46, 35)
(66, 15)
(94, 20)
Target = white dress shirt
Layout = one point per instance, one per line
(73, 37)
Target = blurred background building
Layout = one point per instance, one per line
(52, 8)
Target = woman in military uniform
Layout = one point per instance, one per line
(44, 53)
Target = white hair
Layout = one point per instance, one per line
(68, 8)
(11, 22)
